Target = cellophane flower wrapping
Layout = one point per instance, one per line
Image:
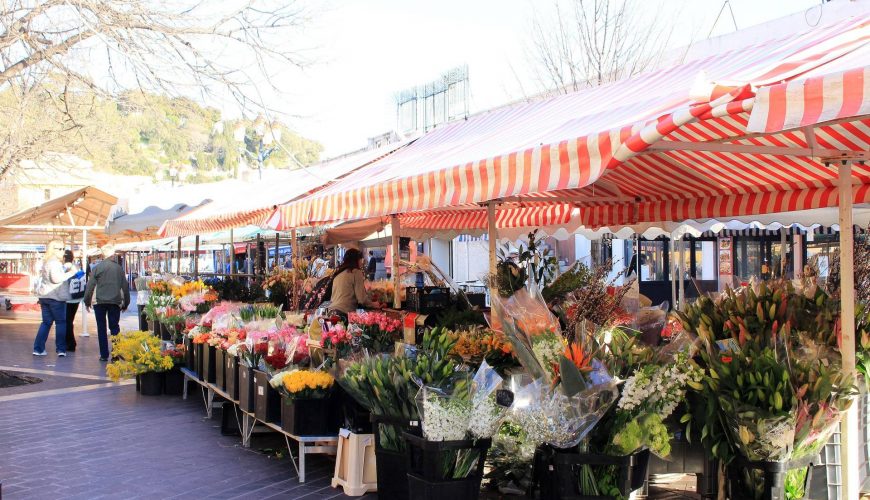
(543, 406)
(467, 410)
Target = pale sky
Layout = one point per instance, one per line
(368, 50)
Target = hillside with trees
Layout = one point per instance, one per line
(147, 134)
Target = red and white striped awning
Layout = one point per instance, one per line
(254, 204)
(638, 149)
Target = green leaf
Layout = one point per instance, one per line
(685, 418)
(572, 380)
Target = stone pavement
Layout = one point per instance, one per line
(78, 435)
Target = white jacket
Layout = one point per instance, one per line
(53, 281)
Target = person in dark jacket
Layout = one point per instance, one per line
(76, 293)
(108, 291)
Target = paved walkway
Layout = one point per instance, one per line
(78, 435)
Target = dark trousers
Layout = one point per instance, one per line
(143, 319)
(53, 311)
(71, 309)
(112, 313)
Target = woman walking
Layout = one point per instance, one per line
(76, 293)
(51, 288)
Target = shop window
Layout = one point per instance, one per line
(705, 260)
(652, 261)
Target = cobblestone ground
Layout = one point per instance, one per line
(77, 435)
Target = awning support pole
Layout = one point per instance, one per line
(681, 270)
(294, 245)
(277, 246)
(492, 233)
(196, 258)
(395, 229)
(783, 248)
(851, 436)
(85, 332)
(232, 253)
(178, 262)
(673, 270)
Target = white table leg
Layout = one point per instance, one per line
(301, 462)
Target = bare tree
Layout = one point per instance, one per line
(52, 50)
(583, 43)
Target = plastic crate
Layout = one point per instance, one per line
(556, 472)
(426, 299)
(391, 465)
(774, 476)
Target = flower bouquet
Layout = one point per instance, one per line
(381, 292)
(160, 287)
(338, 340)
(278, 284)
(773, 389)
(476, 344)
(376, 330)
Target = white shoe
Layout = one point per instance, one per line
(61, 354)
(43, 353)
(86, 334)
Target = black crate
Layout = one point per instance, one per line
(209, 371)
(189, 354)
(427, 299)
(556, 472)
(231, 376)
(306, 417)
(220, 367)
(246, 388)
(173, 383)
(391, 466)
(424, 461)
(773, 473)
(151, 383)
(198, 350)
(267, 400)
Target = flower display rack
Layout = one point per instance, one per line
(556, 472)
(198, 350)
(424, 461)
(189, 354)
(426, 299)
(774, 476)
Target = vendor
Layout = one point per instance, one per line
(348, 284)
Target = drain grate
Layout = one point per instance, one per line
(9, 379)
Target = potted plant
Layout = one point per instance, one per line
(139, 353)
(305, 401)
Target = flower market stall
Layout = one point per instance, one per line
(565, 388)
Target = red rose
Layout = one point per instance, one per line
(726, 359)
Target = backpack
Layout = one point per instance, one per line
(321, 292)
(77, 288)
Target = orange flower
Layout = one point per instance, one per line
(581, 360)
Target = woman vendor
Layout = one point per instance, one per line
(348, 284)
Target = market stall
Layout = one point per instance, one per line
(566, 387)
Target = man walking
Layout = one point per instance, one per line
(112, 297)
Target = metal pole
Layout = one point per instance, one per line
(178, 262)
(672, 254)
(851, 433)
(277, 246)
(783, 248)
(294, 245)
(682, 271)
(196, 258)
(232, 253)
(395, 229)
(257, 267)
(492, 233)
(85, 269)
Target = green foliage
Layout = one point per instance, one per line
(134, 133)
